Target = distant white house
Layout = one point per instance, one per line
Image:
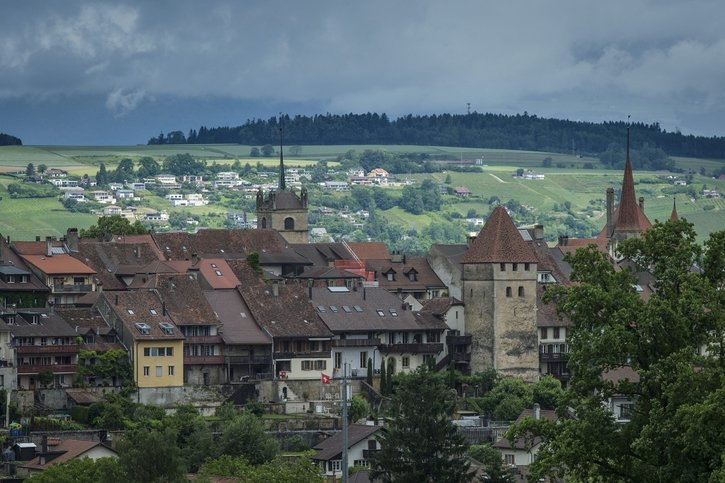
(103, 197)
(77, 195)
(166, 179)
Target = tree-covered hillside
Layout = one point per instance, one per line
(8, 140)
(496, 131)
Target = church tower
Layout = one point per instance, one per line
(499, 292)
(282, 209)
(628, 219)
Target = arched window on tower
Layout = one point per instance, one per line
(289, 223)
(264, 223)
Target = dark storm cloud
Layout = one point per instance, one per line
(657, 60)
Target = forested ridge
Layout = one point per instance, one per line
(8, 140)
(475, 130)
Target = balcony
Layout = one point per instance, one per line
(265, 360)
(203, 360)
(47, 349)
(300, 355)
(460, 356)
(355, 342)
(459, 339)
(553, 356)
(203, 339)
(414, 348)
(369, 453)
(79, 288)
(54, 368)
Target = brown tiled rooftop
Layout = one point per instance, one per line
(184, 300)
(59, 264)
(499, 241)
(223, 243)
(370, 250)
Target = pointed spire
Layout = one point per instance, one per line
(281, 184)
(674, 216)
(629, 215)
(499, 241)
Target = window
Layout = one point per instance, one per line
(167, 328)
(527, 266)
(429, 359)
(521, 291)
(338, 360)
(320, 365)
(289, 223)
(264, 223)
(145, 370)
(515, 267)
(363, 360)
(334, 466)
(380, 312)
(171, 370)
(169, 351)
(153, 312)
(508, 459)
(544, 333)
(393, 312)
(346, 308)
(159, 371)
(412, 276)
(357, 308)
(143, 328)
(503, 267)
(508, 291)
(556, 332)
(306, 365)
(391, 276)
(406, 361)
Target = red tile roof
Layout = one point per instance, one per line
(58, 264)
(499, 241)
(217, 273)
(370, 250)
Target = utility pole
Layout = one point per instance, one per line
(344, 423)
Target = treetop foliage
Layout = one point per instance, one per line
(113, 225)
(665, 354)
(8, 140)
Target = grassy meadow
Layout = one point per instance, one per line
(583, 188)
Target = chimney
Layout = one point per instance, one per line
(404, 307)
(72, 239)
(194, 258)
(537, 411)
(641, 203)
(44, 444)
(163, 309)
(538, 232)
(138, 251)
(563, 240)
(275, 288)
(610, 211)
(365, 292)
(48, 246)
(116, 299)
(404, 258)
(99, 287)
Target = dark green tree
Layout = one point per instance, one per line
(113, 225)
(492, 461)
(383, 378)
(267, 150)
(30, 170)
(301, 470)
(151, 456)
(148, 167)
(82, 470)
(102, 176)
(254, 152)
(421, 444)
(369, 378)
(183, 164)
(245, 436)
(42, 168)
(665, 354)
(124, 171)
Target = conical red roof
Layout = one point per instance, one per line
(499, 241)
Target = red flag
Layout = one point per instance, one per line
(325, 378)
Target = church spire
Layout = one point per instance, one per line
(674, 216)
(281, 184)
(628, 211)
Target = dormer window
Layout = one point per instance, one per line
(391, 276)
(153, 312)
(167, 328)
(413, 276)
(143, 328)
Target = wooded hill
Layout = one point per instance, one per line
(495, 131)
(8, 140)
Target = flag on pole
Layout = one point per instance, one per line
(325, 378)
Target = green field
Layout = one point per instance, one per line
(583, 188)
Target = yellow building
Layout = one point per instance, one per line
(154, 342)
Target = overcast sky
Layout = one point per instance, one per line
(91, 72)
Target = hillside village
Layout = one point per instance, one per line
(262, 314)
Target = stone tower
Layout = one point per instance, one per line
(499, 292)
(282, 209)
